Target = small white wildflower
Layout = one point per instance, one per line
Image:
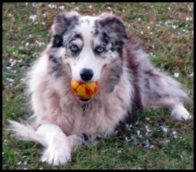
(164, 129)
(30, 36)
(147, 119)
(119, 151)
(12, 62)
(26, 3)
(187, 18)
(33, 17)
(127, 139)
(22, 81)
(174, 133)
(51, 5)
(191, 74)
(141, 32)
(43, 23)
(166, 141)
(176, 75)
(27, 44)
(147, 128)
(19, 163)
(184, 30)
(190, 7)
(139, 19)
(174, 26)
(109, 8)
(20, 61)
(148, 145)
(138, 134)
(10, 82)
(90, 6)
(44, 15)
(151, 33)
(8, 68)
(25, 163)
(169, 8)
(151, 146)
(10, 15)
(34, 4)
(166, 23)
(76, 8)
(21, 48)
(39, 43)
(61, 7)
(148, 27)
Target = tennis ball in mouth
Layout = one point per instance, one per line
(84, 90)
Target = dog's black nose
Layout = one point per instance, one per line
(86, 74)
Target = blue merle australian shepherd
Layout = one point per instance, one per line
(91, 48)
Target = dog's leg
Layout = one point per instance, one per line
(158, 89)
(58, 145)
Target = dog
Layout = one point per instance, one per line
(91, 49)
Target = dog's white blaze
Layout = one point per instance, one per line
(87, 57)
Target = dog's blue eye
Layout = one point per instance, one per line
(74, 48)
(100, 49)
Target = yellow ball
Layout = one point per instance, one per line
(84, 90)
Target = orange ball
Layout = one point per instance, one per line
(84, 90)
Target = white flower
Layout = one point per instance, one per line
(61, 7)
(27, 44)
(139, 19)
(19, 163)
(138, 134)
(147, 129)
(12, 62)
(109, 8)
(148, 27)
(174, 133)
(174, 26)
(33, 18)
(176, 75)
(164, 129)
(39, 43)
(191, 74)
(76, 8)
(44, 14)
(51, 5)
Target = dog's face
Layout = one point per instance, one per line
(90, 46)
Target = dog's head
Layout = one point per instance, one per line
(90, 46)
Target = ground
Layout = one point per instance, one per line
(154, 141)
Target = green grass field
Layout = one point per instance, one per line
(156, 141)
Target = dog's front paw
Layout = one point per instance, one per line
(180, 113)
(56, 155)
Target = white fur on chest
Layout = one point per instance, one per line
(102, 115)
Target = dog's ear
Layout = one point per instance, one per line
(113, 25)
(63, 22)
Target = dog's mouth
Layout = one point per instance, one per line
(84, 100)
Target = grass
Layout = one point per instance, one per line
(154, 141)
